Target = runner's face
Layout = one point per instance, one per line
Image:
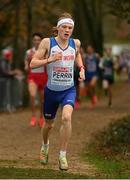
(90, 50)
(65, 31)
(36, 41)
(108, 52)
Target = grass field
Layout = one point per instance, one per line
(109, 168)
(22, 173)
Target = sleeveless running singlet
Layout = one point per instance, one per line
(30, 54)
(60, 73)
(91, 64)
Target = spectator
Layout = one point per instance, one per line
(6, 75)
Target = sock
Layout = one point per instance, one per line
(62, 153)
(45, 146)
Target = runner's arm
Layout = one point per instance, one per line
(79, 60)
(27, 60)
(41, 58)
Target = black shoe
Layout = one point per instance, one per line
(109, 104)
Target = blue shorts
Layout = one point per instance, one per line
(89, 79)
(52, 100)
(89, 76)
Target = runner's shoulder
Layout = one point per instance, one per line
(28, 51)
(77, 43)
(45, 43)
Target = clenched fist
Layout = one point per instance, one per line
(55, 57)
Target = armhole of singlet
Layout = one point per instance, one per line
(49, 51)
(72, 44)
(52, 44)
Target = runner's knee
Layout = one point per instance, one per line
(66, 118)
(49, 125)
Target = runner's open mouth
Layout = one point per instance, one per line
(66, 34)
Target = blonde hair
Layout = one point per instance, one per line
(65, 15)
(54, 31)
(62, 16)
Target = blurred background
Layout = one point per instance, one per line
(100, 23)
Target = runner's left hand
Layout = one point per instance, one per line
(82, 74)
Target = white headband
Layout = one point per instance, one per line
(64, 21)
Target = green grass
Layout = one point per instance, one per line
(21, 173)
(109, 168)
(109, 150)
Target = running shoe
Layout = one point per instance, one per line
(93, 102)
(76, 105)
(94, 99)
(33, 121)
(63, 165)
(41, 122)
(91, 106)
(110, 104)
(44, 155)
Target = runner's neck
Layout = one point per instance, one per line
(63, 43)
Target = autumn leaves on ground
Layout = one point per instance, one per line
(20, 144)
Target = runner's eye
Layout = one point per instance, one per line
(64, 26)
(70, 28)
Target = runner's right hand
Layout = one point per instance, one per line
(55, 57)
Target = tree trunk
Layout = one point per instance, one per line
(16, 34)
(90, 23)
(29, 4)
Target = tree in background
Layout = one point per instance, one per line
(19, 19)
(90, 26)
(120, 8)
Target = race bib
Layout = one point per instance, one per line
(62, 76)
